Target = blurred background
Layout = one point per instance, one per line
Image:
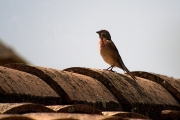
(62, 33)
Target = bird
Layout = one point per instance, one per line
(110, 53)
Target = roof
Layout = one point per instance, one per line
(85, 90)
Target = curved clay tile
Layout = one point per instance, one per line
(17, 86)
(21, 108)
(15, 117)
(170, 114)
(74, 88)
(78, 108)
(169, 83)
(142, 96)
(74, 116)
(125, 114)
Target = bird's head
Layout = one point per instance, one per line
(104, 34)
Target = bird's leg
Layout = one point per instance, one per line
(109, 68)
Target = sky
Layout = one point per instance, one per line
(61, 34)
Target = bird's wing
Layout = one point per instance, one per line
(116, 56)
(115, 53)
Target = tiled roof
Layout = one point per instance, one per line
(85, 90)
(30, 92)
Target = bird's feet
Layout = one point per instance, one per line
(109, 69)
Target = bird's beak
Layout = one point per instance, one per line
(97, 32)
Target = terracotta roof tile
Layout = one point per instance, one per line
(125, 114)
(127, 90)
(78, 108)
(64, 116)
(92, 88)
(170, 114)
(74, 88)
(169, 83)
(17, 86)
(20, 108)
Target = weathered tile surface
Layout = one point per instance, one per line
(19, 108)
(169, 83)
(78, 108)
(74, 88)
(17, 86)
(143, 96)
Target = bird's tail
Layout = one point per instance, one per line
(125, 69)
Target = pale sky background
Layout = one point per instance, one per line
(62, 33)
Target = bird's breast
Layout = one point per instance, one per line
(101, 44)
(106, 52)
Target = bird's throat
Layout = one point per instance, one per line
(101, 44)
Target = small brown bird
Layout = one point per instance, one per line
(110, 53)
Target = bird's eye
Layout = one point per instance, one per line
(102, 35)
